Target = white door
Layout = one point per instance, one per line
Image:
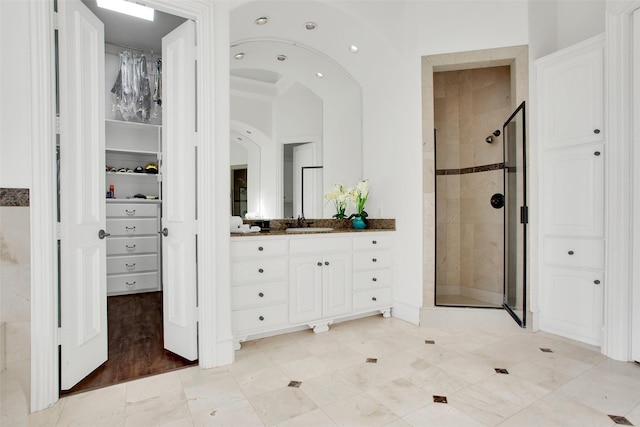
(83, 292)
(338, 284)
(635, 291)
(179, 192)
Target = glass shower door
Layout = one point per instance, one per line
(515, 216)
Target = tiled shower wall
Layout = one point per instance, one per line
(15, 284)
(470, 105)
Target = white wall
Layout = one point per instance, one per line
(579, 20)
(298, 112)
(15, 95)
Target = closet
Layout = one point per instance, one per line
(126, 178)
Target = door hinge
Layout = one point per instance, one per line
(58, 230)
(59, 336)
(56, 24)
(524, 214)
(57, 123)
(197, 314)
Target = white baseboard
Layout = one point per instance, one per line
(406, 312)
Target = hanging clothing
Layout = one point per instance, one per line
(131, 91)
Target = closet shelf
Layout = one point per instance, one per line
(140, 175)
(113, 122)
(126, 151)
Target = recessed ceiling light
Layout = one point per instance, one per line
(353, 48)
(319, 75)
(281, 58)
(310, 25)
(239, 139)
(249, 132)
(128, 8)
(262, 20)
(239, 56)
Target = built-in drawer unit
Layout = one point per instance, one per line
(316, 245)
(251, 271)
(133, 247)
(259, 295)
(372, 299)
(259, 318)
(130, 283)
(374, 242)
(250, 249)
(371, 279)
(371, 259)
(581, 253)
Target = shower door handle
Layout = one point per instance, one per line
(497, 201)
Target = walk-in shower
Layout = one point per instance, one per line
(479, 167)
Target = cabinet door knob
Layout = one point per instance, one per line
(326, 263)
(374, 279)
(374, 260)
(597, 153)
(261, 318)
(374, 242)
(261, 295)
(374, 299)
(260, 248)
(596, 131)
(260, 270)
(570, 252)
(319, 264)
(597, 282)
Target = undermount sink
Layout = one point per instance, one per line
(309, 230)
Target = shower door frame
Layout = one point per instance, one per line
(523, 212)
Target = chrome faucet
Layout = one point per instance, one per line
(300, 220)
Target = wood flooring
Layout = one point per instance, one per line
(136, 346)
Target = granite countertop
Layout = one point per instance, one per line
(278, 227)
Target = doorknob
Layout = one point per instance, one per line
(102, 234)
(164, 232)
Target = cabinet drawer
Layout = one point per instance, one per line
(132, 245)
(132, 264)
(255, 319)
(267, 270)
(133, 283)
(371, 259)
(132, 210)
(132, 227)
(373, 279)
(259, 295)
(320, 245)
(372, 242)
(258, 248)
(582, 253)
(372, 299)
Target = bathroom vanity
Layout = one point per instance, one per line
(281, 281)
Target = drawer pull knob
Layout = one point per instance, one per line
(596, 153)
(374, 242)
(374, 299)
(326, 263)
(260, 248)
(130, 247)
(261, 318)
(130, 228)
(130, 265)
(130, 284)
(596, 131)
(261, 295)
(374, 260)
(374, 279)
(597, 282)
(260, 270)
(130, 212)
(570, 252)
(319, 264)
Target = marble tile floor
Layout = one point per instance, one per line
(367, 372)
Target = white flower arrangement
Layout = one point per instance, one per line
(359, 195)
(339, 195)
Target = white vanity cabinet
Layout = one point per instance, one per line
(283, 282)
(320, 279)
(572, 150)
(133, 247)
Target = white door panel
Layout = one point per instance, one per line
(179, 192)
(83, 292)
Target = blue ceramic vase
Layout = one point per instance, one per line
(358, 223)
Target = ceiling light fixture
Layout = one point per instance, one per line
(281, 58)
(262, 20)
(128, 8)
(310, 25)
(239, 56)
(319, 75)
(353, 48)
